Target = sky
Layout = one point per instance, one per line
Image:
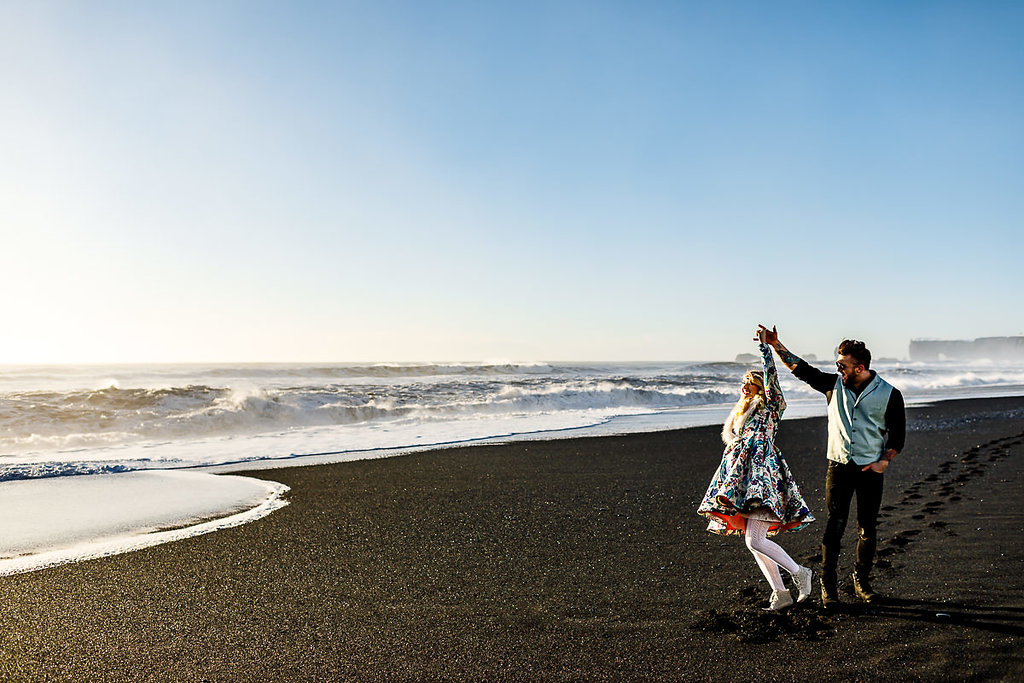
(245, 181)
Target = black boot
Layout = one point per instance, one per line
(829, 593)
(862, 588)
(865, 561)
(829, 577)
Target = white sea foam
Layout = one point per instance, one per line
(55, 421)
(58, 520)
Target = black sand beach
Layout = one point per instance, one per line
(574, 559)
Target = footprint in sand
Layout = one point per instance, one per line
(904, 537)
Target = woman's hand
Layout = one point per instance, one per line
(766, 336)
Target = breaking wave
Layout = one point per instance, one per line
(32, 421)
(76, 420)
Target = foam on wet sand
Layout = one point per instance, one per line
(52, 521)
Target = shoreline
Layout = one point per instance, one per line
(551, 560)
(129, 536)
(121, 534)
(705, 416)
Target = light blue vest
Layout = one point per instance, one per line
(856, 424)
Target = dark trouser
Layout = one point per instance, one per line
(841, 483)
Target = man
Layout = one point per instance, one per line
(867, 427)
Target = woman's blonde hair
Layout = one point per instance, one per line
(756, 377)
(743, 409)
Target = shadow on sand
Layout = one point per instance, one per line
(748, 623)
(1005, 620)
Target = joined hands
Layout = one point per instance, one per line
(766, 336)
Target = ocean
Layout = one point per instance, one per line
(71, 420)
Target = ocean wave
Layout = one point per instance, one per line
(39, 420)
(253, 400)
(920, 377)
(44, 470)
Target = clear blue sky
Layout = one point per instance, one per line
(358, 181)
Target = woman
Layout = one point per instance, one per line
(753, 492)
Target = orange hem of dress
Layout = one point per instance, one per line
(737, 523)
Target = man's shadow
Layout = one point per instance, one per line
(998, 619)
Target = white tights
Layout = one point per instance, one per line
(769, 555)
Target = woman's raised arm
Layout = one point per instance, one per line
(772, 389)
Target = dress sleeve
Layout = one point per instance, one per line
(772, 389)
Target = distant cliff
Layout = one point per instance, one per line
(991, 348)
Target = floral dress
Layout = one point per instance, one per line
(754, 479)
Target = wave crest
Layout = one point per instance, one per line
(230, 401)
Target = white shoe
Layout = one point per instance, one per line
(780, 600)
(802, 579)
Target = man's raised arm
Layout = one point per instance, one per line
(819, 381)
(771, 338)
